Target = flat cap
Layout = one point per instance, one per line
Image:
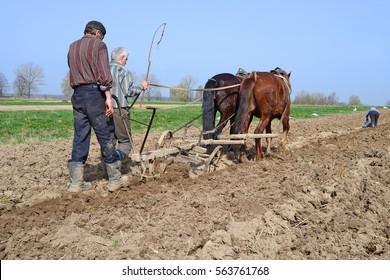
(95, 25)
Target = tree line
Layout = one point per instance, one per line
(319, 98)
(29, 77)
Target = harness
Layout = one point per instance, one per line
(287, 83)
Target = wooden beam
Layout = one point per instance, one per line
(248, 136)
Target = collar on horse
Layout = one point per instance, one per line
(285, 81)
(241, 73)
(280, 73)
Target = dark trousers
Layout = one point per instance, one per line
(89, 109)
(122, 131)
(374, 117)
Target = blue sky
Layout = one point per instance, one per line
(329, 46)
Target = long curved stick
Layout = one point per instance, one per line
(150, 52)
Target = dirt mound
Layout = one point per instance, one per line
(325, 195)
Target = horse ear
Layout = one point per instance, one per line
(289, 74)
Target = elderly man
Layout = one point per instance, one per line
(123, 87)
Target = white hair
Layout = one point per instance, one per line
(117, 53)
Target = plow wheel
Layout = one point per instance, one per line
(214, 158)
(165, 140)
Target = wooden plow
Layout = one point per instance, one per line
(182, 147)
(185, 147)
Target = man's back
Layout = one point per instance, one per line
(88, 62)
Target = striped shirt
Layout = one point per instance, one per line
(123, 84)
(88, 62)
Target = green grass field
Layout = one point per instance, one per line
(35, 126)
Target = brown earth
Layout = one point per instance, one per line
(325, 195)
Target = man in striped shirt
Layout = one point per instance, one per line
(91, 79)
(122, 88)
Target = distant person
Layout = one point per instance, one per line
(123, 87)
(373, 114)
(91, 79)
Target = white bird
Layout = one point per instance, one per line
(354, 109)
(315, 115)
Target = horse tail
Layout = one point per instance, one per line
(208, 109)
(247, 87)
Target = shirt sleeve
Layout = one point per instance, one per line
(135, 90)
(104, 66)
(130, 89)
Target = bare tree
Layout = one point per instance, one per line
(189, 82)
(67, 90)
(301, 97)
(333, 99)
(152, 92)
(28, 79)
(198, 94)
(316, 98)
(3, 84)
(179, 94)
(20, 86)
(354, 100)
(158, 96)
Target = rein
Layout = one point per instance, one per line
(289, 90)
(195, 89)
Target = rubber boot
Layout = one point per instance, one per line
(115, 178)
(121, 155)
(76, 171)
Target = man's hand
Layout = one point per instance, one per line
(109, 106)
(144, 85)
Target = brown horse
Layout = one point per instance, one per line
(224, 101)
(265, 95)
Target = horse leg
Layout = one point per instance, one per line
(269, 140)
(286, 128)
(221, 124)
(259, 129)
(212, 134)
(240, 150)
(224, 117)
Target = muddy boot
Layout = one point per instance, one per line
(115, 178)
(76, 171)
(121, 155)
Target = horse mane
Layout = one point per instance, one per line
(208, 118)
